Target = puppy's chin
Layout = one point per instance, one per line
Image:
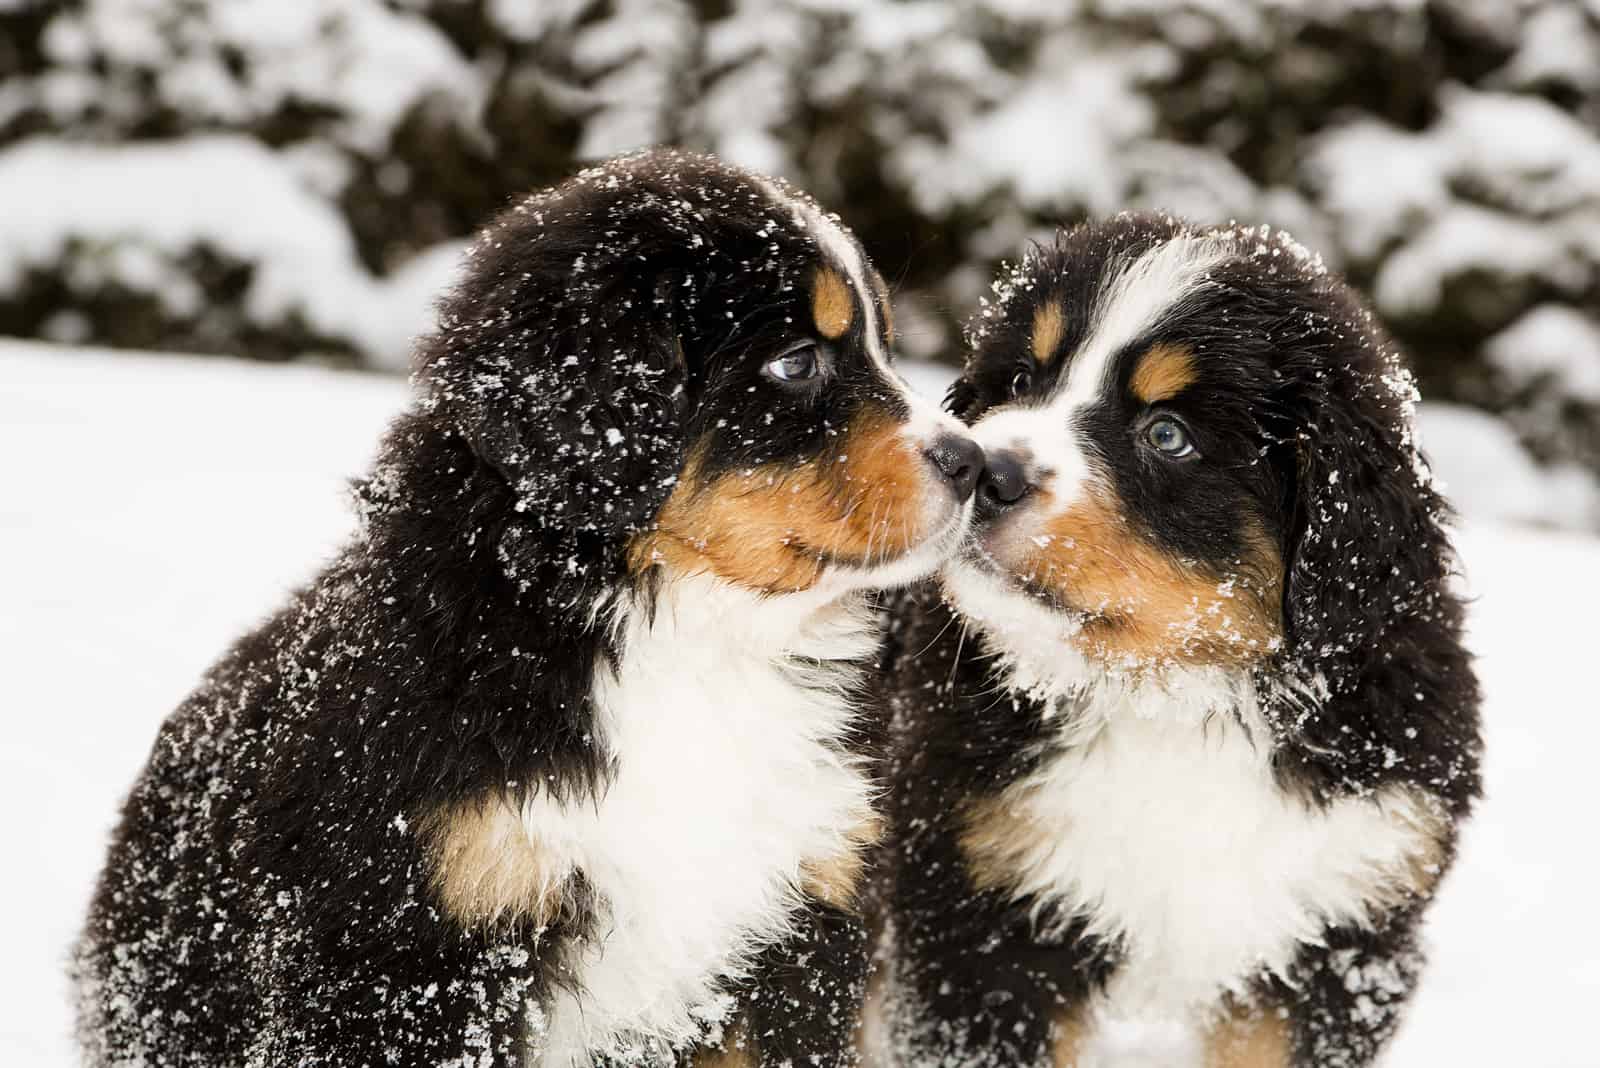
(1032, 636)
(916, 562)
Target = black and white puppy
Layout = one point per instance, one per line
(1184, 749)
(560, 761)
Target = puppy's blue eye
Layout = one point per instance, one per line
(1169, 438)
(796, 365)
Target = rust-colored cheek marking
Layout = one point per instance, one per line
(1145, 606)
(832, 307)
(1163, 372)
(1049, 325)
(775, 527)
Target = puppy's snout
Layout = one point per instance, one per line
(959, 460)
(1003, 483)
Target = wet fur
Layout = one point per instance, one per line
(366, 837)
(1008, 927)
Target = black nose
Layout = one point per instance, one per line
(1003, 483)
(958, 459)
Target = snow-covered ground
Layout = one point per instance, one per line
(156, 506)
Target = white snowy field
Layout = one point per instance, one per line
(155, 506)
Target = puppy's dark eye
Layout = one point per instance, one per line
(1021, 381)
(798, 364)
(1169, 438)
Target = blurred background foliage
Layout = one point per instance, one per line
(294, 178)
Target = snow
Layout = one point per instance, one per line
(153, 203)
(1528, 162)
(1018, 145)
(1488, 475)
(1559, 45)
(1551, 340)
(157, 506)
(360, 58)
(1376, 180)
(1465, 239)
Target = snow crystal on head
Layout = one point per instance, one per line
(1273, 248)
(1014, 281)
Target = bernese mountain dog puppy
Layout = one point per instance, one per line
(1181, 751)
(561, 760)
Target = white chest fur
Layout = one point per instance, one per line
(1166, 829)
(729, 774)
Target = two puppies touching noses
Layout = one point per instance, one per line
(601, 744)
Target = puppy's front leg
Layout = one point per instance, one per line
(1339, 1004)
(432, 997)
(977, 975)
(1350, 991)
(801, 1006)
(805, 998)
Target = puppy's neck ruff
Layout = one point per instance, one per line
(1156, 818)
(827, 622)
(726, 721)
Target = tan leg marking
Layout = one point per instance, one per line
(1069, 1033)
(485, 867)
(1418, 811)
(998, 839)
(836, 878)
(1251, 1037)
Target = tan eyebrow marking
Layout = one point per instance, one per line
(1164, 371)
(831, 305)
(1048, 327)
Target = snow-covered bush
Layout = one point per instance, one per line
(272, 178)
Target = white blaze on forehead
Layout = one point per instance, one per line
(926, 418)
(845, 254)
(1134, 295)
(1130, 302)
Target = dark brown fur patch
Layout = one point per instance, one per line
(485, 867)
(1163, 372)
(832, 306)
(774, 528)
(1143, 605)
(1049, 325)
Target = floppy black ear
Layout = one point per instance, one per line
(1372, 626)
(1366, 546)
(559, 361)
